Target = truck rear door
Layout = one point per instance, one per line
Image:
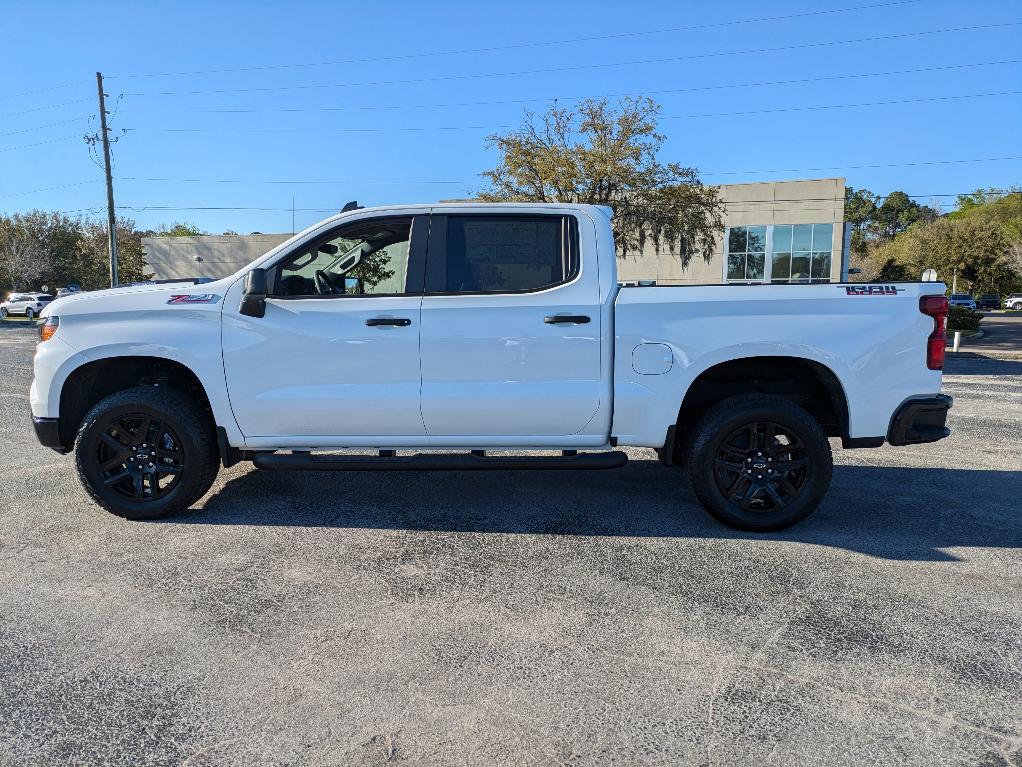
(511, 328)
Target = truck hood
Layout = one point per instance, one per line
(135, 298)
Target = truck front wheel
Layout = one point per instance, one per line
(759, 462)
(146, 452)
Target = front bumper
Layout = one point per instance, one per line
(47, 431)
(920, 420)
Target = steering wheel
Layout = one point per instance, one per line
(324, 284)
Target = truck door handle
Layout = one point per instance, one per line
(400, 322)
(573, 319)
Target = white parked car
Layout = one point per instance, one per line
(481, 327)
(29, 305)
(964, 300)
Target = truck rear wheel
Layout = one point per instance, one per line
(759, 462)
(146, 452)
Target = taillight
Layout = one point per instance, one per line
(936, 307)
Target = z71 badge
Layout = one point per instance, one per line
(194, 298)
(871, 290)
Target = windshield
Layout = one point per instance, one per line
(962, 296)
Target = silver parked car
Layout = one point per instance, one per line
(1014, 302)
(24, 305)
(963, 299)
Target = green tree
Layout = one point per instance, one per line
(978, 201)
(896, 214)
(50, 248)
(860, 208)
(604, 154)
(967, 247)
(180, 229)
(876, 220)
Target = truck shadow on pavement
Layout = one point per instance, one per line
(889, 512)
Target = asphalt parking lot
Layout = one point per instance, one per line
(520, 618)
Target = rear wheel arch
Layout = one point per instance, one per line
(92, 382)
(805, 382)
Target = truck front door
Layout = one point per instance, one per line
(337, 353)
(511, 330)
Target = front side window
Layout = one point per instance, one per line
(507, 254)
(362, 258)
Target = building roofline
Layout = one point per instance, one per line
(783, 181)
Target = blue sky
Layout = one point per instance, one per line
(390, 124)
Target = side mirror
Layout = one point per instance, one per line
(253, 300)
(353, 286)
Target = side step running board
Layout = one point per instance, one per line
(436, 462)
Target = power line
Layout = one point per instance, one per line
(798, 81)
(703, 173)
(38, 143)
(426, 128)
(602, 65)
(39, 90)
(284, 182)
(52, 188)
(48, 125)
(735, 207)
(142, 208)
(860, 167)
(46, 106)
(518, 46)
(845, 106)
(353, 182)
(356, 182)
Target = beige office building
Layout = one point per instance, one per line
(774, 231)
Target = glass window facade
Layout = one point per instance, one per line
(781, 253)
(746, 256)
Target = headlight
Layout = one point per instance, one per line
(47, 328)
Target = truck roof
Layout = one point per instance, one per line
(604, 210)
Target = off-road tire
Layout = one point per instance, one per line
(710, 469)
(191, 424)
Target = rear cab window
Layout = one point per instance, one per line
(493, 253)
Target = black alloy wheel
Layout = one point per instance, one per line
(758, 462)
(762, 467)
(147, 452)
(139, 457)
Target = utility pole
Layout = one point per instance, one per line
(111, 214)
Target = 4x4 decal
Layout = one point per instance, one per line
(871, 290)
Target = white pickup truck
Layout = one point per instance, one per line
(457, 330)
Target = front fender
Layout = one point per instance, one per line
(188, 336)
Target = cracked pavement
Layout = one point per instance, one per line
(520, 618)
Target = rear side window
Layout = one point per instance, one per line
(505, 254)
